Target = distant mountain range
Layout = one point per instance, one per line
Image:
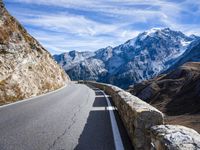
(143, 57)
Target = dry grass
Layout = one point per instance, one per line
(191, 121)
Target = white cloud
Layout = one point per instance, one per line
(57, 42)
(71, 24)
(66, 31)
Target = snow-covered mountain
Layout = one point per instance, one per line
(138, 59)
(70, 59)
(192, 54)
(149, 54)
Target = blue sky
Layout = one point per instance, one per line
(87, 25)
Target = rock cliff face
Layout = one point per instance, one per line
(26, 68)
(176, 94)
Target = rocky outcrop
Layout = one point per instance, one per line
(174, 137)
(26, 68)
(138, 117)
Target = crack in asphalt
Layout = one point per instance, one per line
(72, 120)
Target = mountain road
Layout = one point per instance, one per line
(74, 117)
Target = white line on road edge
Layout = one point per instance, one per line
(34, 97)
(117, 138)
(103, 96)
(103, 108)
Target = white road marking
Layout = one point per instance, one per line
(102, 96)
(103, 108)
(117, 138)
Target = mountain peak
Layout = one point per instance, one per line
(156, 30)
(162, 33)
(73, 53)
(193, 36)
(153, 30)
(148, 33)
(108, 47)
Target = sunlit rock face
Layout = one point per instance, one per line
(174, 137)
(26, 68)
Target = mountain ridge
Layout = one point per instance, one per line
(192, 54)
(176, 94)
(138, 59)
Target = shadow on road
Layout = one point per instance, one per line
(100, 102)
(97, 133)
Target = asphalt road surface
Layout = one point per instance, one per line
(74, 117)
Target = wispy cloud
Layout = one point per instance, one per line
(71, 24)
(89, 25)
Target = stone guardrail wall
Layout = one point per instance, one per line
(144, 123)
(138, 117)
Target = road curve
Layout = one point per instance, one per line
(71, 118)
